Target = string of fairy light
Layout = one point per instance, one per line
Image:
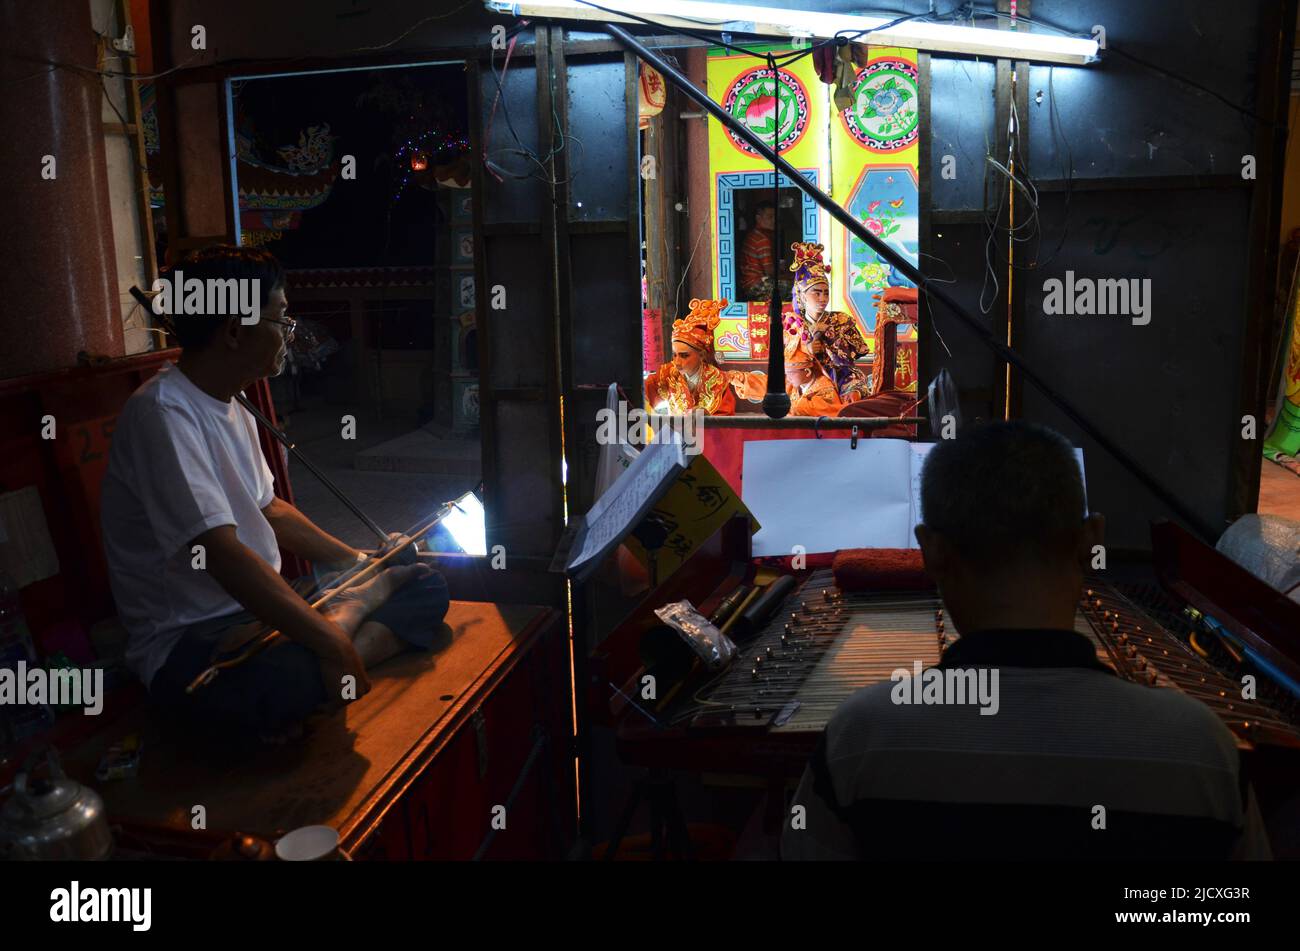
(415, 154)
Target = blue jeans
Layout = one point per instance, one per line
(281, 685)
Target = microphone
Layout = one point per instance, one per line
(776, 401)
(776, 405)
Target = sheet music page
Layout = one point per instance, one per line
(824, 496)
(615, 512)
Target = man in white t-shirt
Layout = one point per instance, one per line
(193, 530)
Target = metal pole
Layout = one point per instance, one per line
(809, 422)
(856, 228)
(776, 401)
(311, 467)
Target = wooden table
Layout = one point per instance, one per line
(357, 770)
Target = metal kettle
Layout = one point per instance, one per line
(53, 818)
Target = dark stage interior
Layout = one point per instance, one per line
(538, 432)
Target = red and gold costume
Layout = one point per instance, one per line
(712, 391)
(834, 338)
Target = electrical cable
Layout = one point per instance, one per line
(412, 29)
(990, 273)
(951, 270)
(487, 133)
(1030, 229)
(523, 149)
(131, 145)
(87, 70)
(929, 306)
(677, 297)
(1054, 125)
(1031, 190)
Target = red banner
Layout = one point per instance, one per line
(652, 340)
(758, 331)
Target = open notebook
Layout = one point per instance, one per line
(620, 508)
(824, 496)
(666, 498)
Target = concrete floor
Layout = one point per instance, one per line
(394, 499)
(1279, 491)
(424, 450)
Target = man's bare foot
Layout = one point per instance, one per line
(375, 643)
(349, 609)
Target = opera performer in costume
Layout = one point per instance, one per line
(694, 380)
(810, 390)
(831, 336)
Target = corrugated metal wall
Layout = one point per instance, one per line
(1156, 192)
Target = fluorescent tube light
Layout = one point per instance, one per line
(773, 21)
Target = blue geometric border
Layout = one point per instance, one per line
(728, 182)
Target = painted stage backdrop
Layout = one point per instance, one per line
(865, 157)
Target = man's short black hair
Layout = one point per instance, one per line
(1005, 492)
(223, 262)
(763, 206)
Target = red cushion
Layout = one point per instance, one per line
(880, 569)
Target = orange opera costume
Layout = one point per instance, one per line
(811, 391)
(693, 380)
(816, 395)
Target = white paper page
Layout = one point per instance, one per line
(919, 451)
(824, 496)
(612, 515)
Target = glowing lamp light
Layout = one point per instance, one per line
(467, 524)
(419, 162)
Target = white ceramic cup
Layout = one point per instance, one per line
(308, 844)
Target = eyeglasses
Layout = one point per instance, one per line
(290, 325)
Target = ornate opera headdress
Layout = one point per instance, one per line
(808, 267)
(696, 328)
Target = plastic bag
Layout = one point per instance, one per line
(713, 647)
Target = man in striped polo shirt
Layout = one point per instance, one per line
(757, 257)
(1046, 754)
